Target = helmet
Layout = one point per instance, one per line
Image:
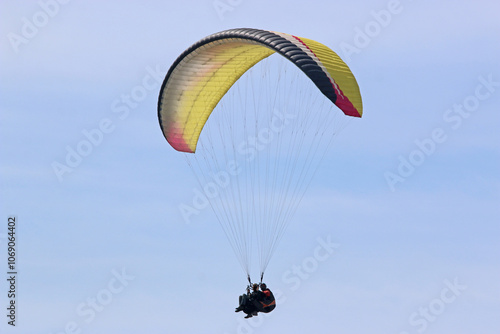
(263, 286)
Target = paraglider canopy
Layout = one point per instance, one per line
(203, 73)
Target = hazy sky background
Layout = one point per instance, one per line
(104, 248)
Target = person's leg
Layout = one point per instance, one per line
(243, 300)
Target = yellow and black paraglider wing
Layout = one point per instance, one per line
(202, 75)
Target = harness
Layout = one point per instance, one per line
(268, 304)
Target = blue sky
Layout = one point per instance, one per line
(103, 248)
